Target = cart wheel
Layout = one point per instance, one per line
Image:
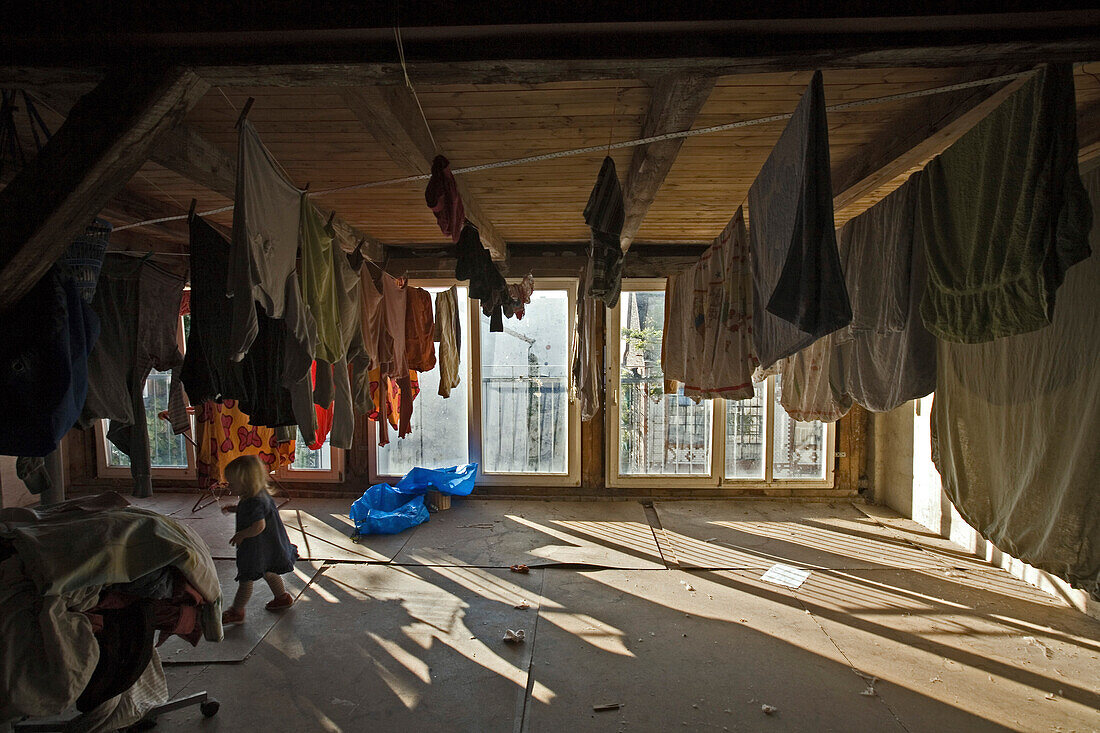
(210, 708)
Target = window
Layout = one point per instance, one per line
(514, 419)
(667, 439)
(440, 436)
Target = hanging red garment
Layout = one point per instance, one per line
(419, 326)
(324, 416)
(442, 198)
(393, 403)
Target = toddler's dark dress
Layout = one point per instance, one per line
(268, 552)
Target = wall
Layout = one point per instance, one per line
(12, 491)
(907, 481)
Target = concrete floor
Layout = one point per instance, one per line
(660, 611)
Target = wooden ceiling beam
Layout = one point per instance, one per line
(674, 103)
(197, 158)
(392, 116)
(923, 132)
(105, 139)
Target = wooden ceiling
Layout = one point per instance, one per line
(320, 140)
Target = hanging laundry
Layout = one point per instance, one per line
(448, 334)
(419, 346)
(886, 362)
(1003, 215)
(681, 344)
(722, 316)
(393, 397)
(442, 198)
(521, 296)
(586, 360)
(798, 285)
(1016, 431)
(384, 302)
(223, 433)
(811, 383)
(351, 314)
(266, 223)
(604, 215)
(487, 285)
(208, 372)
(45, 341)
(138, 306)
(318, 281)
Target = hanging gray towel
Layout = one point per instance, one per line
(1003, 215)
(886, 362)
(798, 285)
(1016, 432)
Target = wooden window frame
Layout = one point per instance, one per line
(472, 381)
(716, 478)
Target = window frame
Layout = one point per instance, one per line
(471, 365)
(332, 475)
(716, 478)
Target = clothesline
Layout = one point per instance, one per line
(619, 145)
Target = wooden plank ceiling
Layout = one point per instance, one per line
(319, 140)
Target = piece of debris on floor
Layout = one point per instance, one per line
(1047, 651)
(520, 569)
(769, 709)
(869, 691)
(514, 636)
(604, 707)
(785, 575)
(522, 606)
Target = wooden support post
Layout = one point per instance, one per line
(392, 117)
(105, 139)
(676, 100)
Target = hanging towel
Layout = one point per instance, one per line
(448, 333)
(798, 285)
(811, 386)
(318, 282)
(208, 372)
(262, 258)
(138, 307)
(1003, 215)
(442, 198)
(722, 314)
(885, 365)
(681, 343)
(1016, 432)
(587, 367)
(604, 214)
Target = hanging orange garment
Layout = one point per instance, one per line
(224, 434)
(324, 415)
(419, 326)
(393, 403)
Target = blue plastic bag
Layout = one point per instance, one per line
(456, 480)
(382, 509)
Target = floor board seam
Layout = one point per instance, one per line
(848, 661)
(523, 722)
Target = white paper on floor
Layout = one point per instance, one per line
(787, 575)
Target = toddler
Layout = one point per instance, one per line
(263, 548)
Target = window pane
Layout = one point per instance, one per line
(524, 405)
(745, 421)
(166, 450)
(799, 451)
(440, 436)
(311, 460)
(659, 434)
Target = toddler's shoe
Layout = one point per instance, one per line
(281, 603)
(232, 616)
